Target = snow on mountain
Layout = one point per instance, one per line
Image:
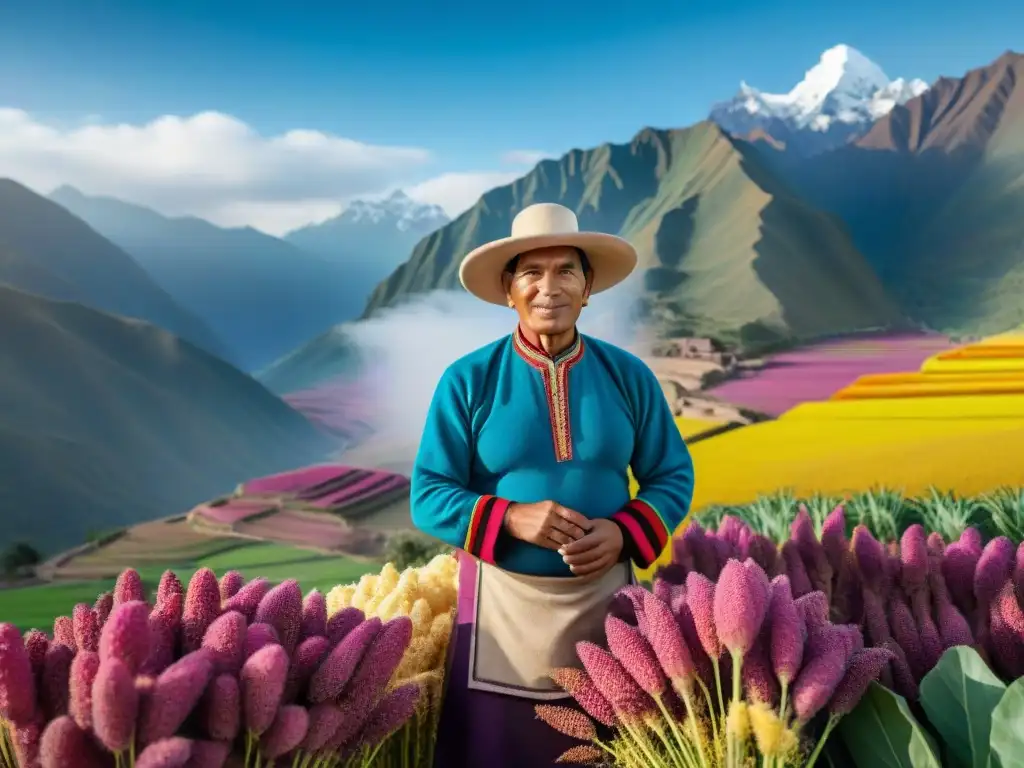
(837, 100)
(398, 208)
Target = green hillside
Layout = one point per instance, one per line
(725, 249)
(106, 421)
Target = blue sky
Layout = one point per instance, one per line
(467, 81)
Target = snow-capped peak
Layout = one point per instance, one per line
(397, 207)
(841, 94)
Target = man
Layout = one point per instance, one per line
(522, 466)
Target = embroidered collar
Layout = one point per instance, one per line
(539, 358)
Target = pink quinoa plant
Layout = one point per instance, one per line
(118, 686)
(230, 583)
(125, 636)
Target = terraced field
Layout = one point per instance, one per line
(154, 547)
(816, 371)
(956, 423)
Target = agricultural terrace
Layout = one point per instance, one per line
(959, 431)
(341, 409)
(816, 371)
(151, 548)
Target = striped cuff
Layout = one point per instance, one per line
(485, 526)
(644, 534)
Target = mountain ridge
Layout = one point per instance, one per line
(46, 249)
(263, 295)
(121, 421)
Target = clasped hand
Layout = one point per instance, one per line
(587, 546)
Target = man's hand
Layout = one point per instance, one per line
(596, 552)
(546, 523)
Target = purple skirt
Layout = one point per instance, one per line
(480, 729)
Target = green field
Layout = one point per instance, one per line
(36, 606)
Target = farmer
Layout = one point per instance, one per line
(522, 466)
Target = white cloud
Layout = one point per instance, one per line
(455, 192)
(215, 166)
(524, 157)
(209, 165)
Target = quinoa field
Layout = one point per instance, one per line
(815, 372)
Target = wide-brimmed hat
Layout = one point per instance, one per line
(545, 225)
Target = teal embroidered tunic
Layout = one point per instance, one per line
(510, 424)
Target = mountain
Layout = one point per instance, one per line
(838, 100)
(108, 421)
(370, 238)
(46, 250)
(933, 195)
(725, 248)
(260, 294)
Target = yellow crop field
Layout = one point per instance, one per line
(690, 427)
(916, 377)
(968, 456)
(943, 409)
(935, 388)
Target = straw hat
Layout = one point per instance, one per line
(545, 225)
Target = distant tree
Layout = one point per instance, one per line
(17, 557)
(411, 550)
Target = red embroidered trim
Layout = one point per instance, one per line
(555, 374)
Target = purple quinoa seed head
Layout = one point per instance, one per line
(614, 682)
(390, 714)
(763, 551)
(64, 632)
(959, 566)
(115, 704)
(741, 602)
(163, 641)
(700, 597)
(324, 721)
(247, 599)
(905, 632)
(281, 608)
(202, 606)
(172, 752)
(169, 585)
(833, 536)
(37, 643)
(262, 682)
(221, 709)
(336, 670)
(225, 638)
(786, 631)
(64, 744)
(55, 688)
(635, 655)
(209, 754)
(795, 569)
(382, 657)
(865, 665)
(286, 732)
(994, 567)
(936, 544)
(759, 682)
(103, 606)
(819, 678)
(129, 588)
(230, 583)
(85, 627)
(914, 558)
(343, 622)
(870, 556)
(567, 720)
(126, 634)
(175, 694)
(258, 636)
(307, 657)
(17, 678)
(84, 668)
(954, 629)
(578, 683)
(314, 614)
(971, 539)
(667, 642)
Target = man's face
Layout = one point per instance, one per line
(548, 289)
